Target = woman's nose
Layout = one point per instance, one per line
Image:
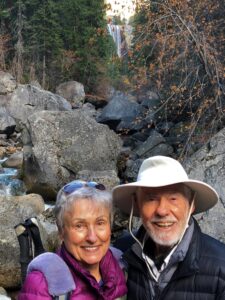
(91, 235)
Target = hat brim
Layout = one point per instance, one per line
(205, 196)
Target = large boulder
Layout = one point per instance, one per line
(119, 108)
(14, 210)
(208, 165)
(28, 99)
(72, 91)
(65, 143)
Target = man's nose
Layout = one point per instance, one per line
(162, 208)
(91, 235)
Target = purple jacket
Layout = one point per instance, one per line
(87, 288)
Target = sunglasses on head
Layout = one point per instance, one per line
(69, 188)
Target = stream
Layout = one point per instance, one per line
(10, 184)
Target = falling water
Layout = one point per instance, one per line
(114, 31)
(9, 183)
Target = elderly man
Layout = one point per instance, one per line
(171, 258)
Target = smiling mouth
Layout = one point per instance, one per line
(91, 248)
(164, 224)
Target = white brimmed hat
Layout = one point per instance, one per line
(159, 171)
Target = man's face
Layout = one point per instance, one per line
(164, 212)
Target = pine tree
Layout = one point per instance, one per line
(19, 44)
(85, 34)
(42, 37)
(4, 36)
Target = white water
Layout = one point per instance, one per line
(9, 183)
(114, 31)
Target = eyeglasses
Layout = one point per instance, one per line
(75, 185)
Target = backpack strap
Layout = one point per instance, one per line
(57, 274)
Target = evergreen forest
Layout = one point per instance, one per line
(53, 41)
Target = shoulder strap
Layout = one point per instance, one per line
(57, 274)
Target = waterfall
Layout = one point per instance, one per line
(114, 31)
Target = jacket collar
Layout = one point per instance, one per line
(190, 263)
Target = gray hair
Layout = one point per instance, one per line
(65, 201)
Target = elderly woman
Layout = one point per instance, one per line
(83, 213)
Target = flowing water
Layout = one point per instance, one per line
(10, 184)
(114, 31)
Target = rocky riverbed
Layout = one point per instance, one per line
(50, 139)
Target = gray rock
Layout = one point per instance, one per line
(65, 143)
(132, 169)
(27, 99)
(131, 125)
(154, 145)
(118, 109)
(73, 91)
(108, 177)
(7, 123)
(7, 83)
(14, 210)
(208, 165)
(35, 83)
(14, 161)
(48, 230)
(152, 100)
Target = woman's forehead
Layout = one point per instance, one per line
(86, 206)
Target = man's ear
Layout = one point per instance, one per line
(192, 208)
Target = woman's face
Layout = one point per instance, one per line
(86, 232)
